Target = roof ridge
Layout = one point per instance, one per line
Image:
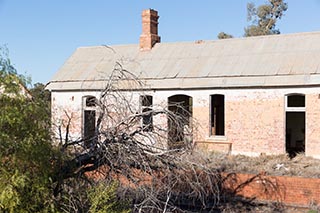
(200, 41)
(105, 45)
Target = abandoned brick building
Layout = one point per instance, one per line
(250, 95)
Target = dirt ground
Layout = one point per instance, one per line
(279, 165)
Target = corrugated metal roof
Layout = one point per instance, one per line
(276, 60)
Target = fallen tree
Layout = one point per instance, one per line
(158, 170)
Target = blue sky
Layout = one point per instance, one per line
(42, 34)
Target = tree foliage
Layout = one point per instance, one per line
(223, 35)
(31, 168)
(10, 80)
(25, 148)
(24, 122)
(264, 18)
(103, 199)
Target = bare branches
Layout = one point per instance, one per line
(146, 145)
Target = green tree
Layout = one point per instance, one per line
(103, 198)
(31, 169)
(264, 18)
(42, 96)
(26, 154)
(10, 80)
(223, 35)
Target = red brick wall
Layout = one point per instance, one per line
(149, 34)
(288, 190)
(312, 125)
(295, 191)
(254, 118)
(254, 123)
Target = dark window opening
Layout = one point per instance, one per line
(146, 100)
(89, 127)
(146, 109)
(217, 115)
(295, 133)
(296, 101)
(179, 127)
(91, 101)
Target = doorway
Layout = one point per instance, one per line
(179, 124)
(295, 124)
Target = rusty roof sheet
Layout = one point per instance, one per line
(288, 60)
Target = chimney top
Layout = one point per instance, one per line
(149, 36)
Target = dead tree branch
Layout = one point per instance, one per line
(154, 167)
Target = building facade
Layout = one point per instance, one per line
(247, 96)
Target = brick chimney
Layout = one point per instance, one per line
(149, 36)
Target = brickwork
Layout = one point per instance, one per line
(149, 34)
(67, 106)
(313, 125)
(255, 123)
(288, 190)
(255, 119)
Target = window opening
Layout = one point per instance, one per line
(91, 101)
(89, 127)
(295, 124)
(89, 121)
(179, 128)
(296, 101)
(146, 110)
(217, 115)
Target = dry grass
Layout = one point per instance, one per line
(277, 165)
(274, 165)
(240, 206)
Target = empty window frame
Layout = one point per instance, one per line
(217, 115)
(146, 110)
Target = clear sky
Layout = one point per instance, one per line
(42, 34)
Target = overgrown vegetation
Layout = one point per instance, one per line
(154, 177)
(29, 165)
(277, 165)
(25, 149)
